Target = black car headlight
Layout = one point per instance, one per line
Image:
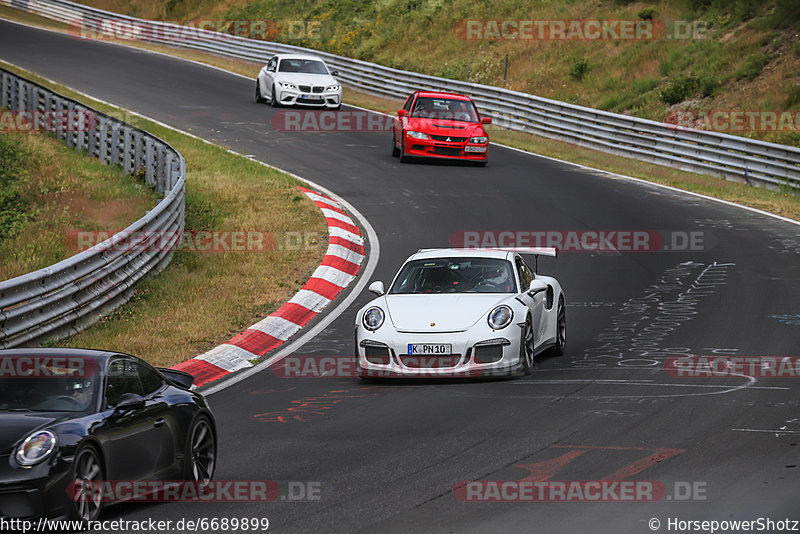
(36, 448)
(500, 317)
(373, 318)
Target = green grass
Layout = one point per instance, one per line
(48, 192)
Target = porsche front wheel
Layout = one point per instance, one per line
(561, 329)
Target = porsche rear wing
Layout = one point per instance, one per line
(179, 378)
(537, 251)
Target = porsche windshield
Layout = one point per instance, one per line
(455, 275)
(305, 66)
(47, 394)
(445, 108)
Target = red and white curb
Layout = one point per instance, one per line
(339, 267)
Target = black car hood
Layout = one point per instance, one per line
(16, 425)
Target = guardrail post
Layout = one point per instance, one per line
(114, 154)
(56, 123)
(138, 150)
(161, 168)
(149, 162)
(103, 140)
(71, 124)
(127, 165)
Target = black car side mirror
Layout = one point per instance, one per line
(335, 73)
(128, 402)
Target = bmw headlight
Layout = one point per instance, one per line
(500, 317)
(36, 448)
(286, 85)
(373, 318)
(481, 139)
(417, 135)
(333, 88)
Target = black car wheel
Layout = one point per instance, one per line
(561, 329)
(201, 453)
(86, 500)
(395, 150)
(526, 350)
(403, 157)
(259, 98)
(275, 102)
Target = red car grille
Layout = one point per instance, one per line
(448, 138)
(446, 151)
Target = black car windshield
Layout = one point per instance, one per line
(445, 108)
(455, 275)
(305, 66)
(47, 394)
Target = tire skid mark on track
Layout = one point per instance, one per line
(339, 267)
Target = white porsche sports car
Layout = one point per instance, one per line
(461, 312)
(293, 79)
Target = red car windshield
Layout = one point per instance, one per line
(445, 108)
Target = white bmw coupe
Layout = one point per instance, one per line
(289, 80)
(461, 312)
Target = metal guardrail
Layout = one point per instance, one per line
(732, 157)
(66, 297)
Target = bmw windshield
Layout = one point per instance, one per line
(455, 275)
(304, 66)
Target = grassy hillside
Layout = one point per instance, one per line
(48, 190)
(748, 56)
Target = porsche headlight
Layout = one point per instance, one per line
(373, 318)
(286, 85)
(333, 88)
(500, 317)
(36, 448)
(481, 139)
(417, 135)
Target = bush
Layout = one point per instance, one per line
(679, 89)
(579, 68)
(647, 13)
(752, 67)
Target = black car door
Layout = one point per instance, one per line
(133, 439)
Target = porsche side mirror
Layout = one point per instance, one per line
(377, 288)
(402, 113)
(486, 120)
(335, 73)
(537, 286)
(128, 402)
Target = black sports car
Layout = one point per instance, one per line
(71, 419)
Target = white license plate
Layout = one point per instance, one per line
(310, 97)
(435, 349)
(474, 149)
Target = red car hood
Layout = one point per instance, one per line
(445, 127)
